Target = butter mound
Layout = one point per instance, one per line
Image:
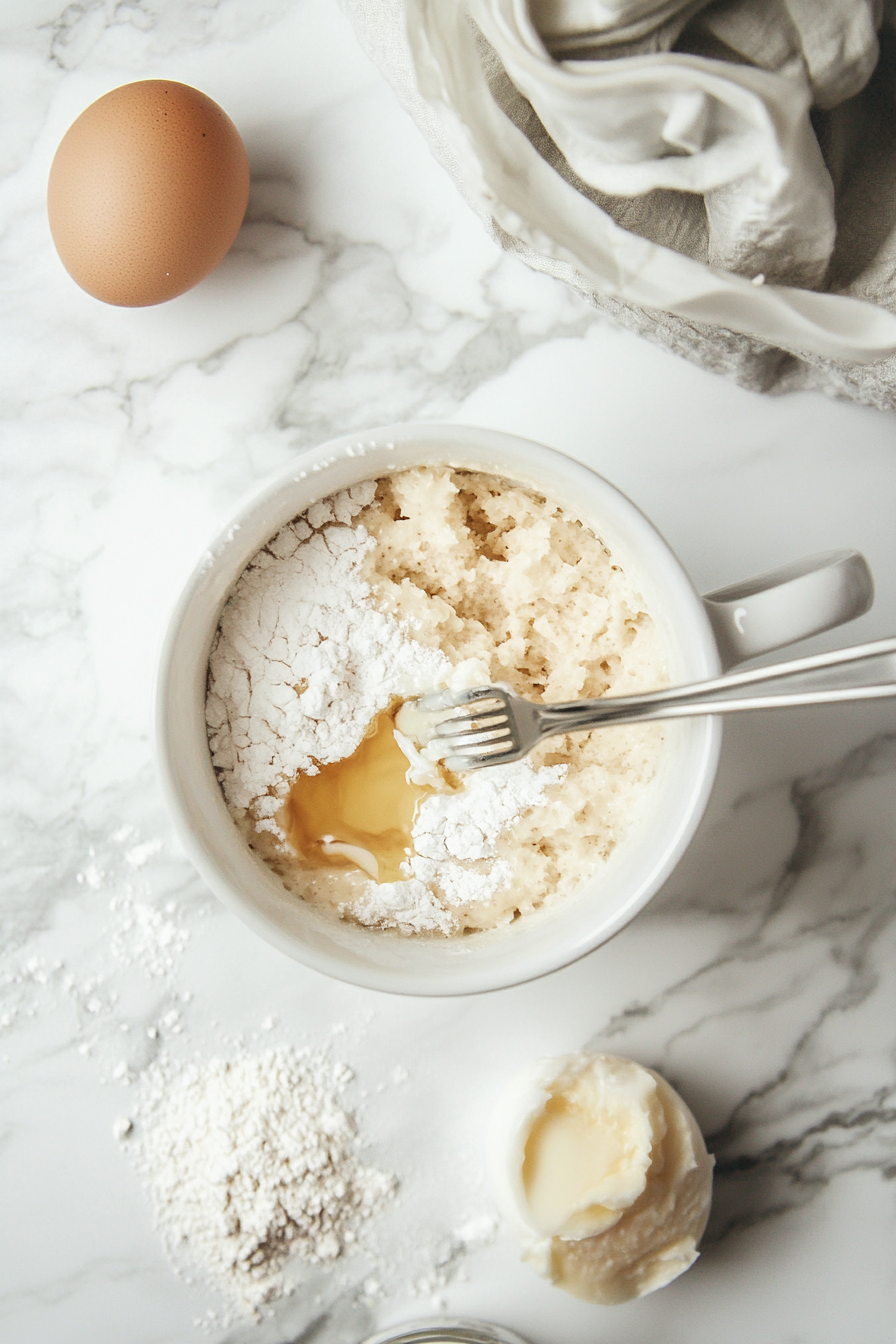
(607, 1175)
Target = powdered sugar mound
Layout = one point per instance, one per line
(465, 825)
(411, 907)
(303, 660)
(249, 1162)
(455, 838)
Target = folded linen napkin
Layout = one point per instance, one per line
(716, 174)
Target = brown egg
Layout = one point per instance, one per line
(147, 192)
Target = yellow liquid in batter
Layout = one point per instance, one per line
(364, 801)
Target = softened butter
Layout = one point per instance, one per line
(606, 1173)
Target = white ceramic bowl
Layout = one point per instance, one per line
(543, 940)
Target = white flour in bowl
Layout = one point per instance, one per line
(428, 578)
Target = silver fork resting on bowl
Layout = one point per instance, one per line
(494, 725)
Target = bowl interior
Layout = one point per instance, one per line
(541, 941)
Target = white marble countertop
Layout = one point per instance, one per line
(760, 980)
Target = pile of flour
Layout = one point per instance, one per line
(302, 662)
(251, 1161)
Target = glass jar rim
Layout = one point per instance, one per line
(445, 1330)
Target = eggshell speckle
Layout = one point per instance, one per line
(147, 192)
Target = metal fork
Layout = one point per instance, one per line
(495, 725)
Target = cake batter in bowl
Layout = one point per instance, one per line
(697, 639)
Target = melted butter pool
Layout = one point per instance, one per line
(357, 813)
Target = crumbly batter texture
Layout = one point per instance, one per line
(427, 578)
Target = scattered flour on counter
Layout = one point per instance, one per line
(145, 935)
(249, 1162)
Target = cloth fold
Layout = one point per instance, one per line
(738, 135)
(687, 166)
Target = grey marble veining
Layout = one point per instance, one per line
(760, 980)
(803, 982)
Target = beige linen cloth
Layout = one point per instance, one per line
(717, 175)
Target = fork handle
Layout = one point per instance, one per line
(863, 672)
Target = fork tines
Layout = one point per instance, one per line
(481, 732)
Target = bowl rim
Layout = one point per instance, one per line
(228, 548)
